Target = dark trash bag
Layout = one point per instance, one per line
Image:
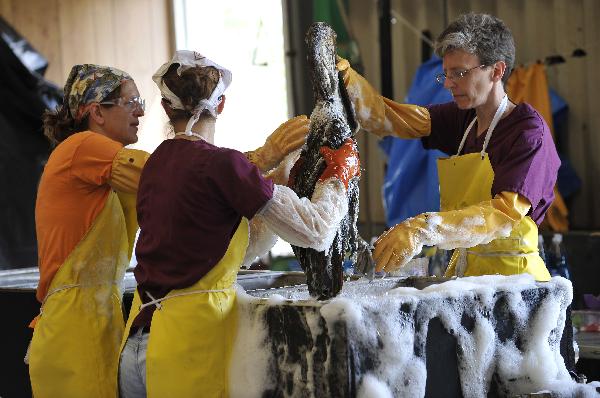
(24, 96)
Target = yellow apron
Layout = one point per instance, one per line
(193, 331)
(74, 351)
(467, 180)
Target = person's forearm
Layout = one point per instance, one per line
(303, 222)
(405, 120)
(467, 227)
(281, 174)
(477, 224)
(260, 240)
(287, 138)
(382, 116)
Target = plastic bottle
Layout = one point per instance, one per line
(438, 262)
(541, 249)
(557, 260)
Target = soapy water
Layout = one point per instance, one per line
(386, 321)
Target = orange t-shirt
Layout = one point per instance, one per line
(72, 192)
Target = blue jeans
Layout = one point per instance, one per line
(132, 367)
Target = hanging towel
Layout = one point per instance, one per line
(530, 84)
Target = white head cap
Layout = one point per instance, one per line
(190, 59)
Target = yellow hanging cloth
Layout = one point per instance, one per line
(530, 84)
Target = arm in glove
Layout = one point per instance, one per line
(260, 240)
(379, 115)
(281, 174)
(313, 223)
(288, 137)
(306, 223)
(468, 227)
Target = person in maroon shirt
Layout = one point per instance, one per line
(202, 211)
(498, 183)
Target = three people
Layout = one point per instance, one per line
(498, 183)
(85, 224)
(200, 208)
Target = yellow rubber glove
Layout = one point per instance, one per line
(288, 137)
(468, 227)
(281, 174)
(379, 115)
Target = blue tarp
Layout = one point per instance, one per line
(411, 181)
(568, 180)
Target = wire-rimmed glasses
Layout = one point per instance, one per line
(455, 74)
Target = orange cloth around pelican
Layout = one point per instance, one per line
(73, 190)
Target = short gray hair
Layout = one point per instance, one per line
(483, 35)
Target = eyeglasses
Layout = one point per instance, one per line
(131, 104)
(455, 75)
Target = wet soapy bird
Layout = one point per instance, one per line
(332, 123)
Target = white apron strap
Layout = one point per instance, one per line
(48, 295)
(464, 138)
(488, 136)
(461, 262)
(67, 287)
(495, 120)
(157, 302)
(190, 134)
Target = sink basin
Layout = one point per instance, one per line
(25, 278)
(250, 280)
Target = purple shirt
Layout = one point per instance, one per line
(521, 150)
(191, 198)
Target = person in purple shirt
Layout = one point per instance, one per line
(203, 211)
(498, 182)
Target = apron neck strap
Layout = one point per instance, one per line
(464, 138)
(190, 134)
(499, 112)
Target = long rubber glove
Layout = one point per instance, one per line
(280, 175)
(307, 223)
(288, 137)
(468, 227)
(379, 115)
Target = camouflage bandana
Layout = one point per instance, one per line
(89, 83)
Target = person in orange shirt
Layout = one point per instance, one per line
(85, 224)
